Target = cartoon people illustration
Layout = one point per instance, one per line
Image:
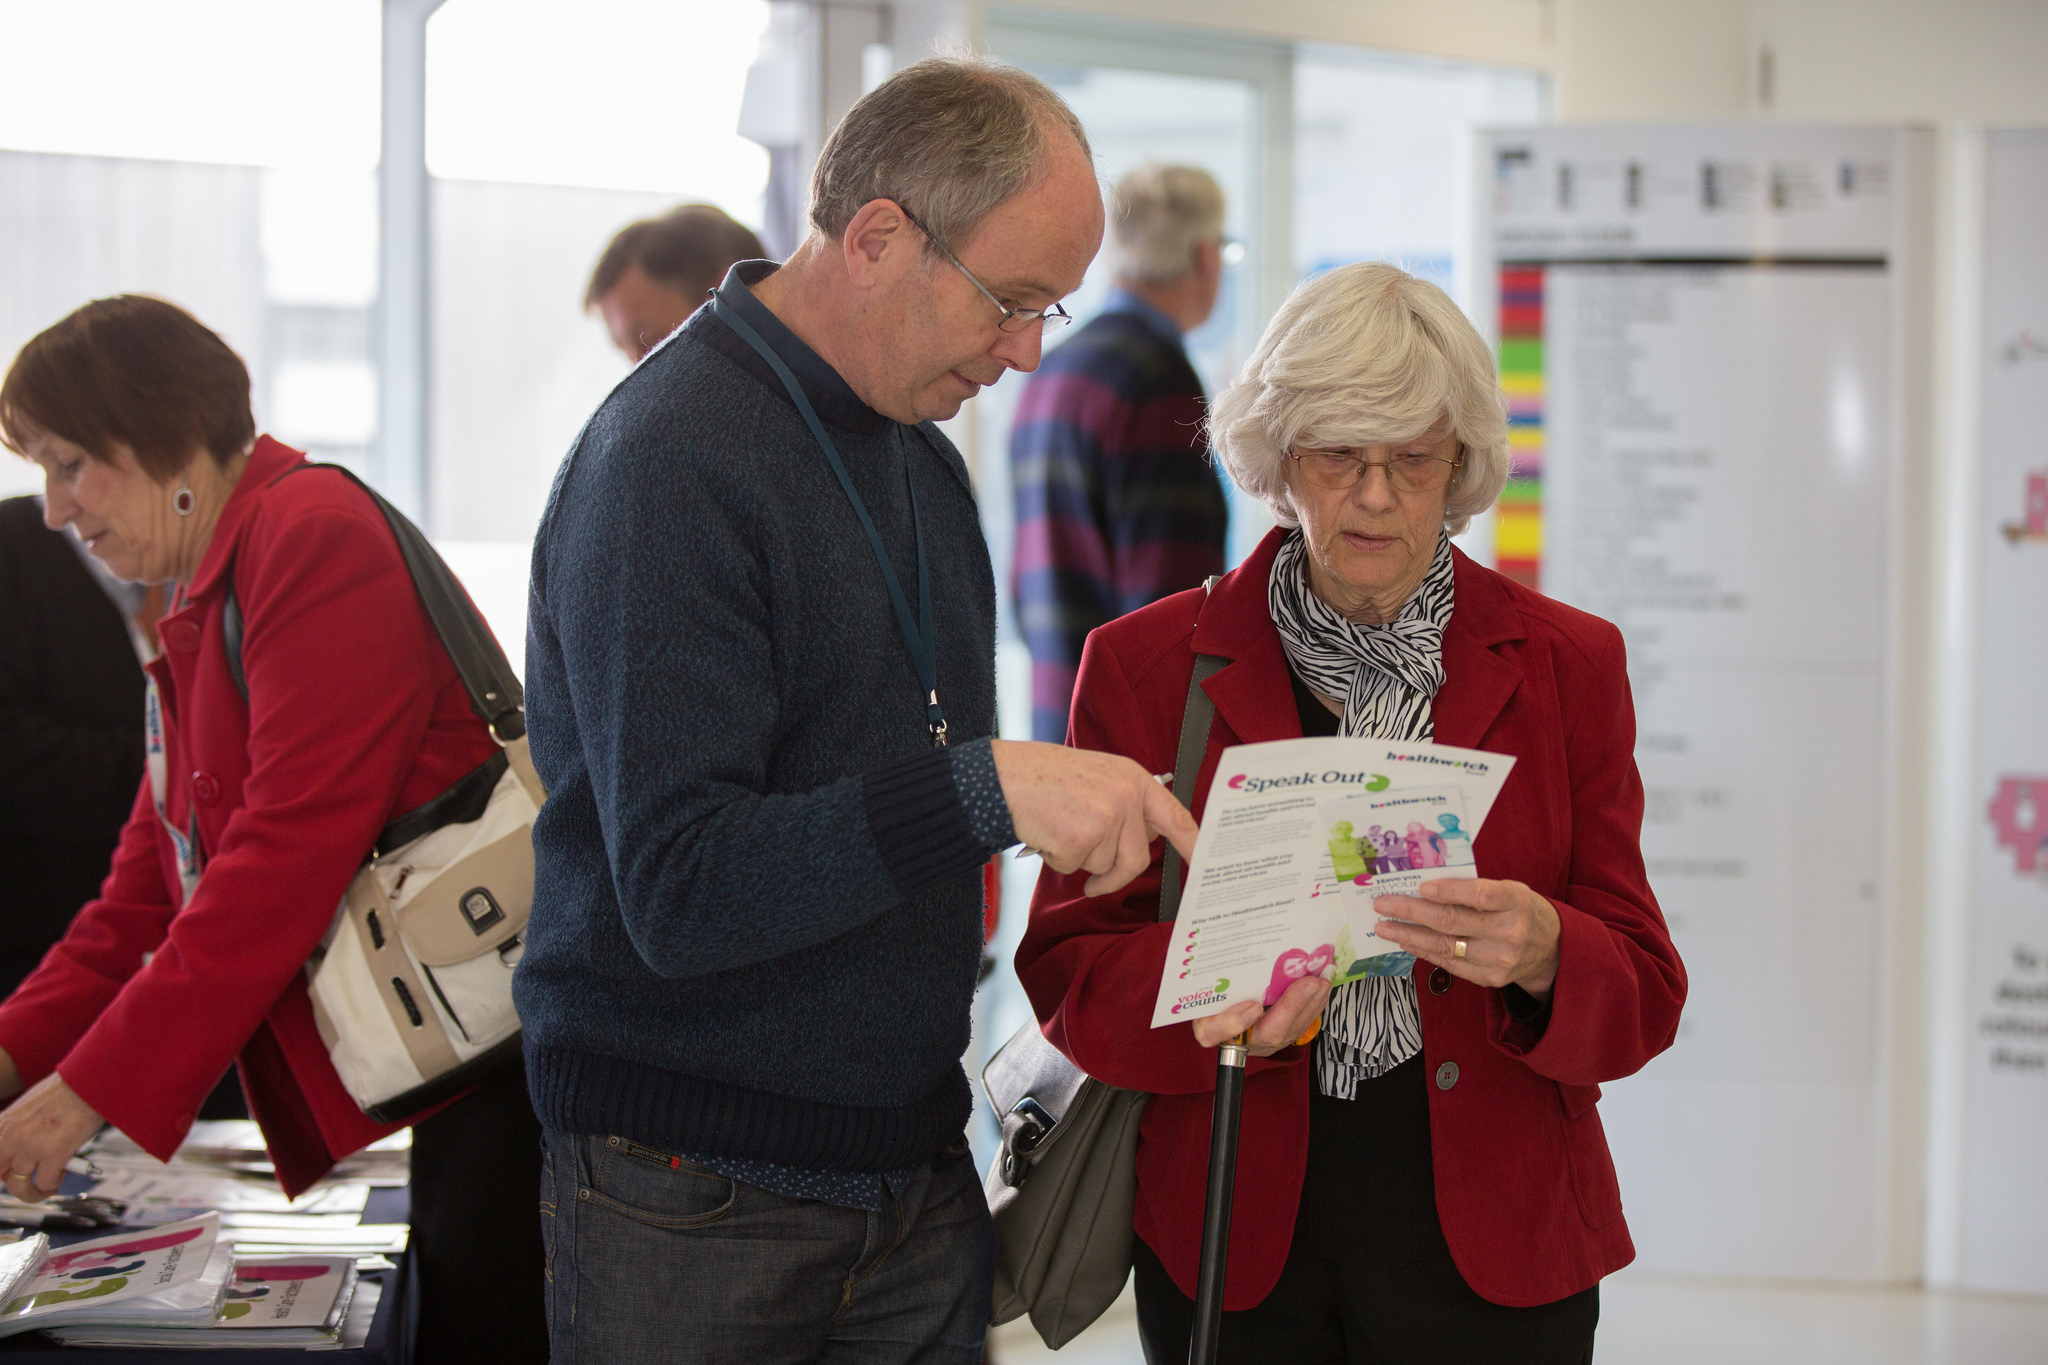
(1344, 852)
(1457, 843)
(1425, 849)
(1393, 850)
(1293, 965)
(1368, 859)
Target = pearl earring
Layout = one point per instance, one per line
(182, 501)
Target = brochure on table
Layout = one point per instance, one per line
(223, 1166)
(272, 1302)
(173, 1275)
(1298, 838)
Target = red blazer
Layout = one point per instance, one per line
(1524, 1185)
(354, 715)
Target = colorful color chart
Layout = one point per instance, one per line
(1518, 534)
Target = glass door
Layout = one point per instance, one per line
(1142, 94)
(1152, 94)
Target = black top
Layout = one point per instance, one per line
(1370, 1191)
(70, 732)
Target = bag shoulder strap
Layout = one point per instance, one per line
(231, 635)
(494, 690)
(1195, 721)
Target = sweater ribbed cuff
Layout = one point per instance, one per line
(920, 827)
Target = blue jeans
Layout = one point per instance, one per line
(651, 1260)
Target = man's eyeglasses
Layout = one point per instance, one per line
(1408, 473)
(1013, 319)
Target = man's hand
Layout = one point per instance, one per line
(1086, 810)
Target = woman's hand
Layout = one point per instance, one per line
(39, 1133)
(1272, 1029)
(1510, 933)
(10, 1076)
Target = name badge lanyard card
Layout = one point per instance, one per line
(917, 632)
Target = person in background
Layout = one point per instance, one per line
(192, 955)
(656, 272)
(73, 642)
(1426, 1182)
(1117, 503)
(71, 652)
(757, 911)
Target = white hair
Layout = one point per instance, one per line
(1362, 355)
(1160, 214)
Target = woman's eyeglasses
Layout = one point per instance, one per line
(1340, 469)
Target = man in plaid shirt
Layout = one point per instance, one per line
(1117, 502)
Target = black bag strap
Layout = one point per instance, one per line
(494, 690)
(231, 635)
(1195, 721)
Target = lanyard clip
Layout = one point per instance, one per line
(935, 716)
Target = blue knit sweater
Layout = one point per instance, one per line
(757, 908)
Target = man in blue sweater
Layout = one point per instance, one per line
(761, 657)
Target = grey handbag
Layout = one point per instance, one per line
(1063, 1187)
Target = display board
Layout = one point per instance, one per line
(2004, 1162)
(1700, 337)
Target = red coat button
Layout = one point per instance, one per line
(205, 790)
(1439, 981)
(182, 636)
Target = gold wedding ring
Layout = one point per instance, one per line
(1458, 946)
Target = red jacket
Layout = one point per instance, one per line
(354, 715)
(1524, 1185)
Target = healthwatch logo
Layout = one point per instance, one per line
(1213, 996)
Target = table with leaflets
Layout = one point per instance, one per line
(211, 1262)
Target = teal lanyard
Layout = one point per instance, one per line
(918, 635)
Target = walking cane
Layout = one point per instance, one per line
(1216, 1217)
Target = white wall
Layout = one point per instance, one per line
(1954, 65)
(1828, 60)
(1507, 32)
(1833, 60)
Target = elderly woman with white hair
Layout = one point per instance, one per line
(1424, 1178)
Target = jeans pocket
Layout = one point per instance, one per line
(654, 1187)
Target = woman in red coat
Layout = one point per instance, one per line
(1425, 1179)
(193, 956)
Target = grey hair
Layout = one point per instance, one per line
(1365, 354)
(948, 138)
(1161, 213)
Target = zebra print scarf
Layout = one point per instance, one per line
(1388, 676)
